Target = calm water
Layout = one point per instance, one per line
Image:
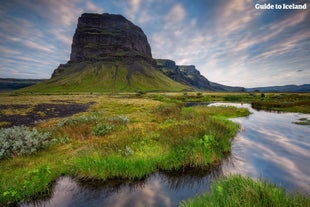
(268, 146)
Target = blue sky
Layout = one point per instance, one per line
(229, 41)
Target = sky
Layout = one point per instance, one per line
(229, 41)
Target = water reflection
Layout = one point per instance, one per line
(272, 147)
(160, 189)
(268, 146)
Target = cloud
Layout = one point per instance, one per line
(8, 51)
(34, 45)
(144, 17)
(93, 8)
(61, 12)
(176, 14)
(132, 7)
(60, 34)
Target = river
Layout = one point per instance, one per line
(268, 146)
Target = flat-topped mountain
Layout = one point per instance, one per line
(106, 37)
(111, 54)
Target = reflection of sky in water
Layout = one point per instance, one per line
(272, 147)
(268, 146)
(160, 189)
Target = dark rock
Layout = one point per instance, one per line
(108, 37)
(186, 74)
(189, 75)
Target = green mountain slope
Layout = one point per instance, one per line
(113, 76)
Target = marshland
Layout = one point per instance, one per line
(130, 138)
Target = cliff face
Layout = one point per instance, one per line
(189, 75)
(186, 74)
(108, 37)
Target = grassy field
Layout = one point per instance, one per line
(286, 102)
(242, 191)
(126, 136)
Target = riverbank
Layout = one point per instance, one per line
(124, 137)
(243, 191)
(283, 102)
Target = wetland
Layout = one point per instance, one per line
(128, 147)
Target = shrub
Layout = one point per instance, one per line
(93, 117)
(121, 119)
(20, 140)
(102, 129)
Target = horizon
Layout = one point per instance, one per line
(231, 43)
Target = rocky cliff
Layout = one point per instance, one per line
(186, 74)
(189, 75)
(106, 37)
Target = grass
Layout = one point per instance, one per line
(99, 78)
(127, 138)
(303, 121)
(286, 102)
(242, 191)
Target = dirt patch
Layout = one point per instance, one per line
(40, 112)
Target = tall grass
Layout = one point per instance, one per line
(243, 191)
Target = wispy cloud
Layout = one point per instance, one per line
(61, 12)
(132, 7)
(93, 8)
(176, 14)
(34, 45)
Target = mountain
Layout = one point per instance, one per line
(108, 54)
(220, 87)
(9, 84)
(286, 88)
(189, 75)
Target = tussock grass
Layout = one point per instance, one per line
(243, 191)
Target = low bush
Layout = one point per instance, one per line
(20, 140)
(92, 117)
(102, 129)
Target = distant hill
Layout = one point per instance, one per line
(9, 84)
(220, 87)
(286, 88)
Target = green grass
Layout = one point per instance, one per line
(150, 132)
(147, 136)
(286, 102)
(243, 191)
(90, 77)
(303, 121)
